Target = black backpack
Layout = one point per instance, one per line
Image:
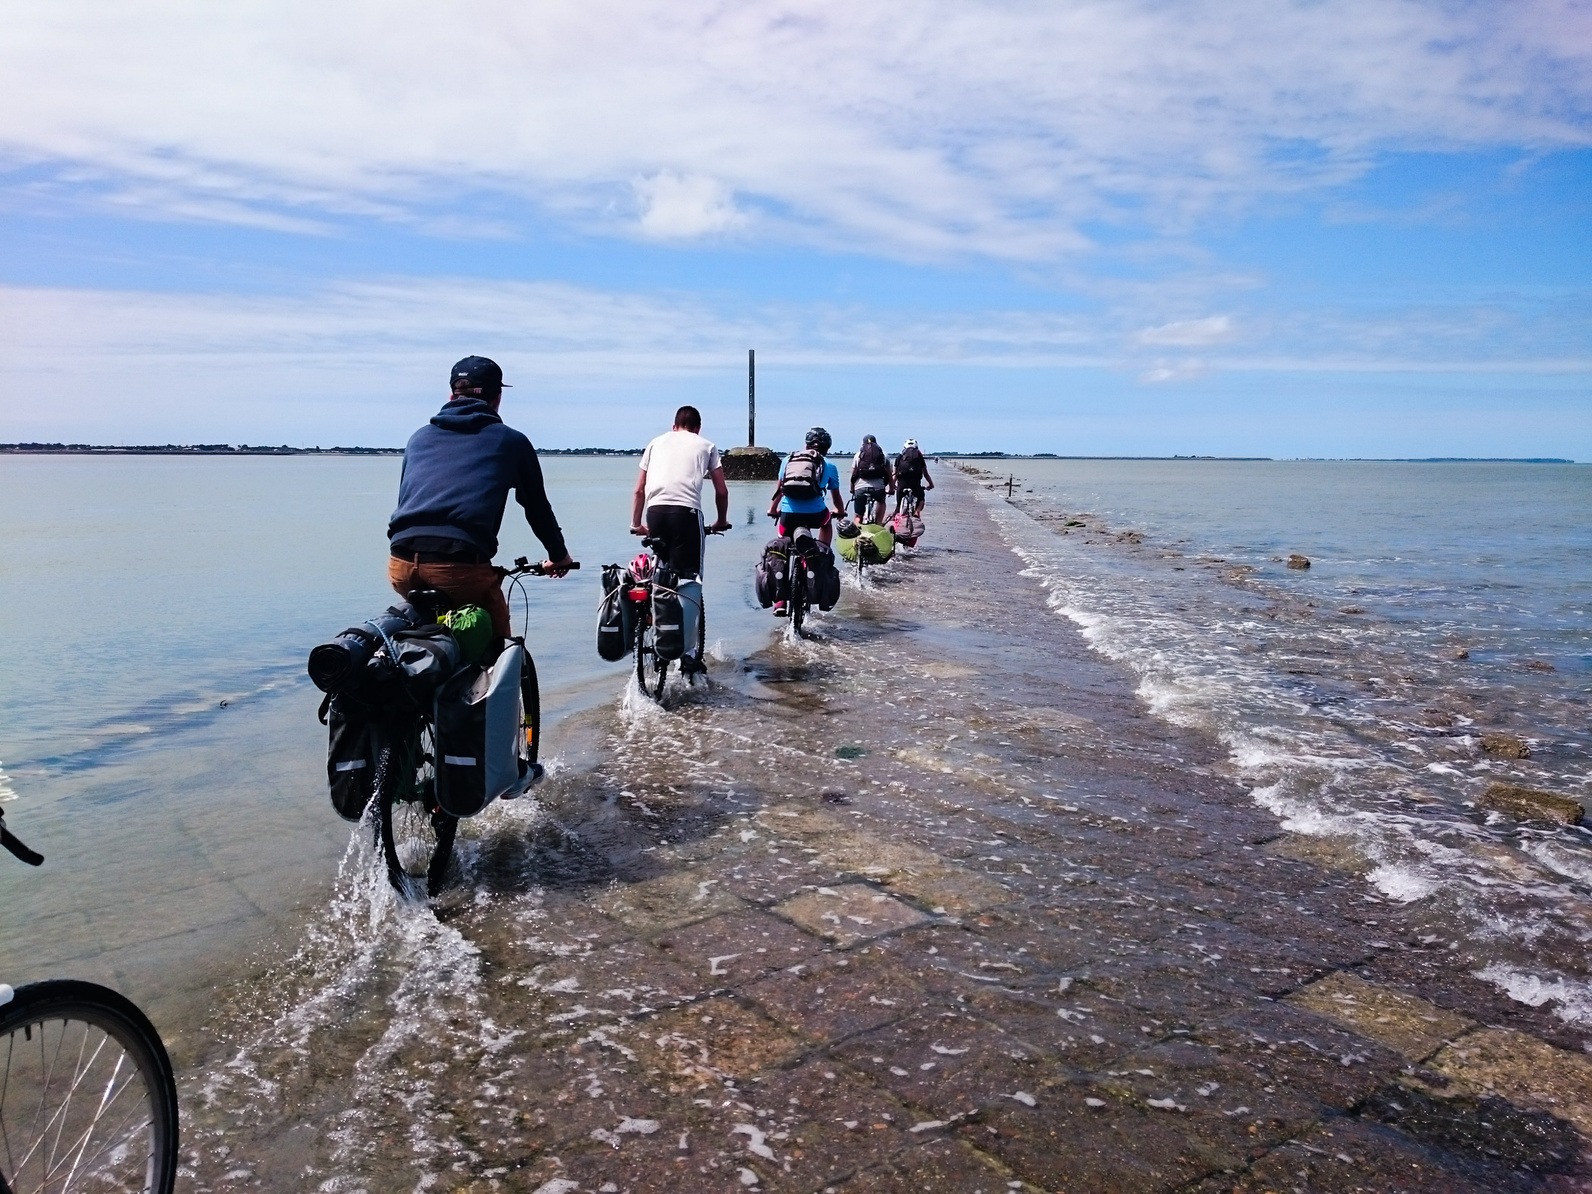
(804, 475)
(909, 466)
(871, 462)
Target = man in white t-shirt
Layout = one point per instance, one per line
(669, 495)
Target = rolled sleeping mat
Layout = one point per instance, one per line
(335, 666)
(875, 543)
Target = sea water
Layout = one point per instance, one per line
(1442, 602)
(158, 735)
(158, 739)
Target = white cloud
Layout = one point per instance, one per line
(677, 208)
(1190, 333)
(925, 129)
(137, 365)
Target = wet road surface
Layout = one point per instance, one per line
(928, 902)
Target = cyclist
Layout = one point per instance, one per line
(669, 494)
(911, 474)
(457, 473)
(870, 481)
(803, 471)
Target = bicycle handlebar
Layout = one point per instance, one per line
(11, 843)
(523, 567)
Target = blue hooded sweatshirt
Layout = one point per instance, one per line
(458, 470)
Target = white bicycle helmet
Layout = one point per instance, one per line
(911, 443)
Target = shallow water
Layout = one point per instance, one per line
(159, 742)
(1442, 602)
(540, 1011)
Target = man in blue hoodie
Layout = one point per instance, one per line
(458, 470)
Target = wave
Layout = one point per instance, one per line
(1314, 729)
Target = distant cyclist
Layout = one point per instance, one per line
(808, 493)
(457, 473)
(911, 475)
(669, 494)
(871, 481)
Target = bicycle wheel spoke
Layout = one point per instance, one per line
(57, 1120)
(115, 1137)
(108, 1099)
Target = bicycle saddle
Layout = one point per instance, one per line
(429, 601)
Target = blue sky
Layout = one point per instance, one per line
(1250, 228)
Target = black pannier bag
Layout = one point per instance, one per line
(351, 746)
(616, 623)
(770, 577)
(825, 578)
(427, 656)
(479, 722)
(668, 619)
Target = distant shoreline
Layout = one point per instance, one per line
(43, 449)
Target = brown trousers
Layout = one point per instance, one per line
(465, 584)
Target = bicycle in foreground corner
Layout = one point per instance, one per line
(88, 1099)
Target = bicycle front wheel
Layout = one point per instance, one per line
(531, 702)
(88, 1100)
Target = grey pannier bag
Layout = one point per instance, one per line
(480, 721)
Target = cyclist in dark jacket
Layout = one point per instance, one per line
(457, 474)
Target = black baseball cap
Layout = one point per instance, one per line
(478, 373)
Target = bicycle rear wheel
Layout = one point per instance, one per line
(87, 1096)
(651, 671)
(798, 596)
(416, 836)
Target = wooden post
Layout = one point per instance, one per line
(751, 397)
(1009, 480)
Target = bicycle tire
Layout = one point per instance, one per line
(647, 661)
(416, 838)
(531, 701)
(798, 597)
(98, 1036)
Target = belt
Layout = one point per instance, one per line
(432, 557)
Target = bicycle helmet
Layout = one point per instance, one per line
(911, 443)
(819, 438)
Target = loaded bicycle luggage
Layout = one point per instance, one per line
(430, 717)
(771, 577)
(823, 577)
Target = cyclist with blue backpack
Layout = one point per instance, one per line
(808, 493)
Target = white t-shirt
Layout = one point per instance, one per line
(676, 463)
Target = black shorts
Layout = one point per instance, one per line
(680, 528)
(789, 520)
(904, 489)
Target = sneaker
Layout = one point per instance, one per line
(780, 611)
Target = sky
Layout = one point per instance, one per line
(1236, 227)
